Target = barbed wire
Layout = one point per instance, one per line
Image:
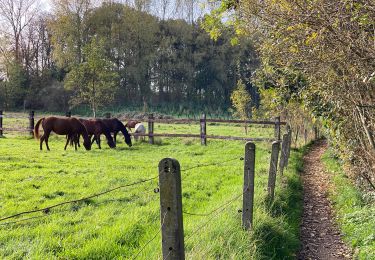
(23, 220)
(153, 238)
(211, 164)
(167, 255)
(213, 211)
(222, 207)
(226, 232)
(201, 227)
(47, 209)
(51, 213)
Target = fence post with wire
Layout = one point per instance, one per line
(151, 129)
(273, 169)
(277, 128)
(203, 130)
(288, 147)
(248, 192)
(283, 155)
(1, 123)
(172, 230)
(31, 123)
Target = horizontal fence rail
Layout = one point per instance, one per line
(169, 121)
(206, 136)
(151, 121)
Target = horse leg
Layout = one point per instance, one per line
(98, 141)
(93, 139)
(46, 140)
(68, 139)
(114, 136)
(41, 142)
(78, 136)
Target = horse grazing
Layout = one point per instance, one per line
(139, 129)
(95, 128)
(114, 125)
(69, 126)
(131, 124)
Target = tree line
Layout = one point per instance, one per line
(317, 64)
(82, 54)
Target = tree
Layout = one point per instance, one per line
(241, 101)
(69, 31)
(17, 15)
(332, 46)
(15, 88)
(94, 81)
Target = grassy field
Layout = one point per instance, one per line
(120, 224)
(355, 213)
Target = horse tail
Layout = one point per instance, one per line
(36, 128)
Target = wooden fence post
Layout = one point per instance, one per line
(273, 169)
(288, 147)
(1, 123)
(68, 114)
(248, 189)
(172, 230)
(283, 156)
(31, 123)
(203, 130)
(151, 129)
(107, 115)
(277, 128)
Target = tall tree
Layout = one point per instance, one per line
(69, 30)
(93, 81)
(16, 16)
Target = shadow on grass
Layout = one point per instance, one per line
(278, 234)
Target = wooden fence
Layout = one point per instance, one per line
(151, 127)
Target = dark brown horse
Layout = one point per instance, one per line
(116, 126)
(131, 124)
(96, 127)
(62, 126)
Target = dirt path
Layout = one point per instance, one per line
(320, 237)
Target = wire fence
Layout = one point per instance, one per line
(211, 215)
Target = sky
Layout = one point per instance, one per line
(46, 5)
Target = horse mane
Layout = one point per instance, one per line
(36, 128)
(122, 128)
(106, 130)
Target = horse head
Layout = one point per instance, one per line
(87, 143)
(110, 142)
(127, 138)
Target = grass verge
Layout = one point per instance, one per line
(355, 215)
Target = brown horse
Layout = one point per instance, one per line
(131, 124)
(96, 127)
(62, 126)
(114, 125)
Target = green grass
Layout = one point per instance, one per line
(355, 215)
(119, 224)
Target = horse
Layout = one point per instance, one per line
(95, 128)
(139, 129)
(131, 124)
(69, 126)
(116, 126)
